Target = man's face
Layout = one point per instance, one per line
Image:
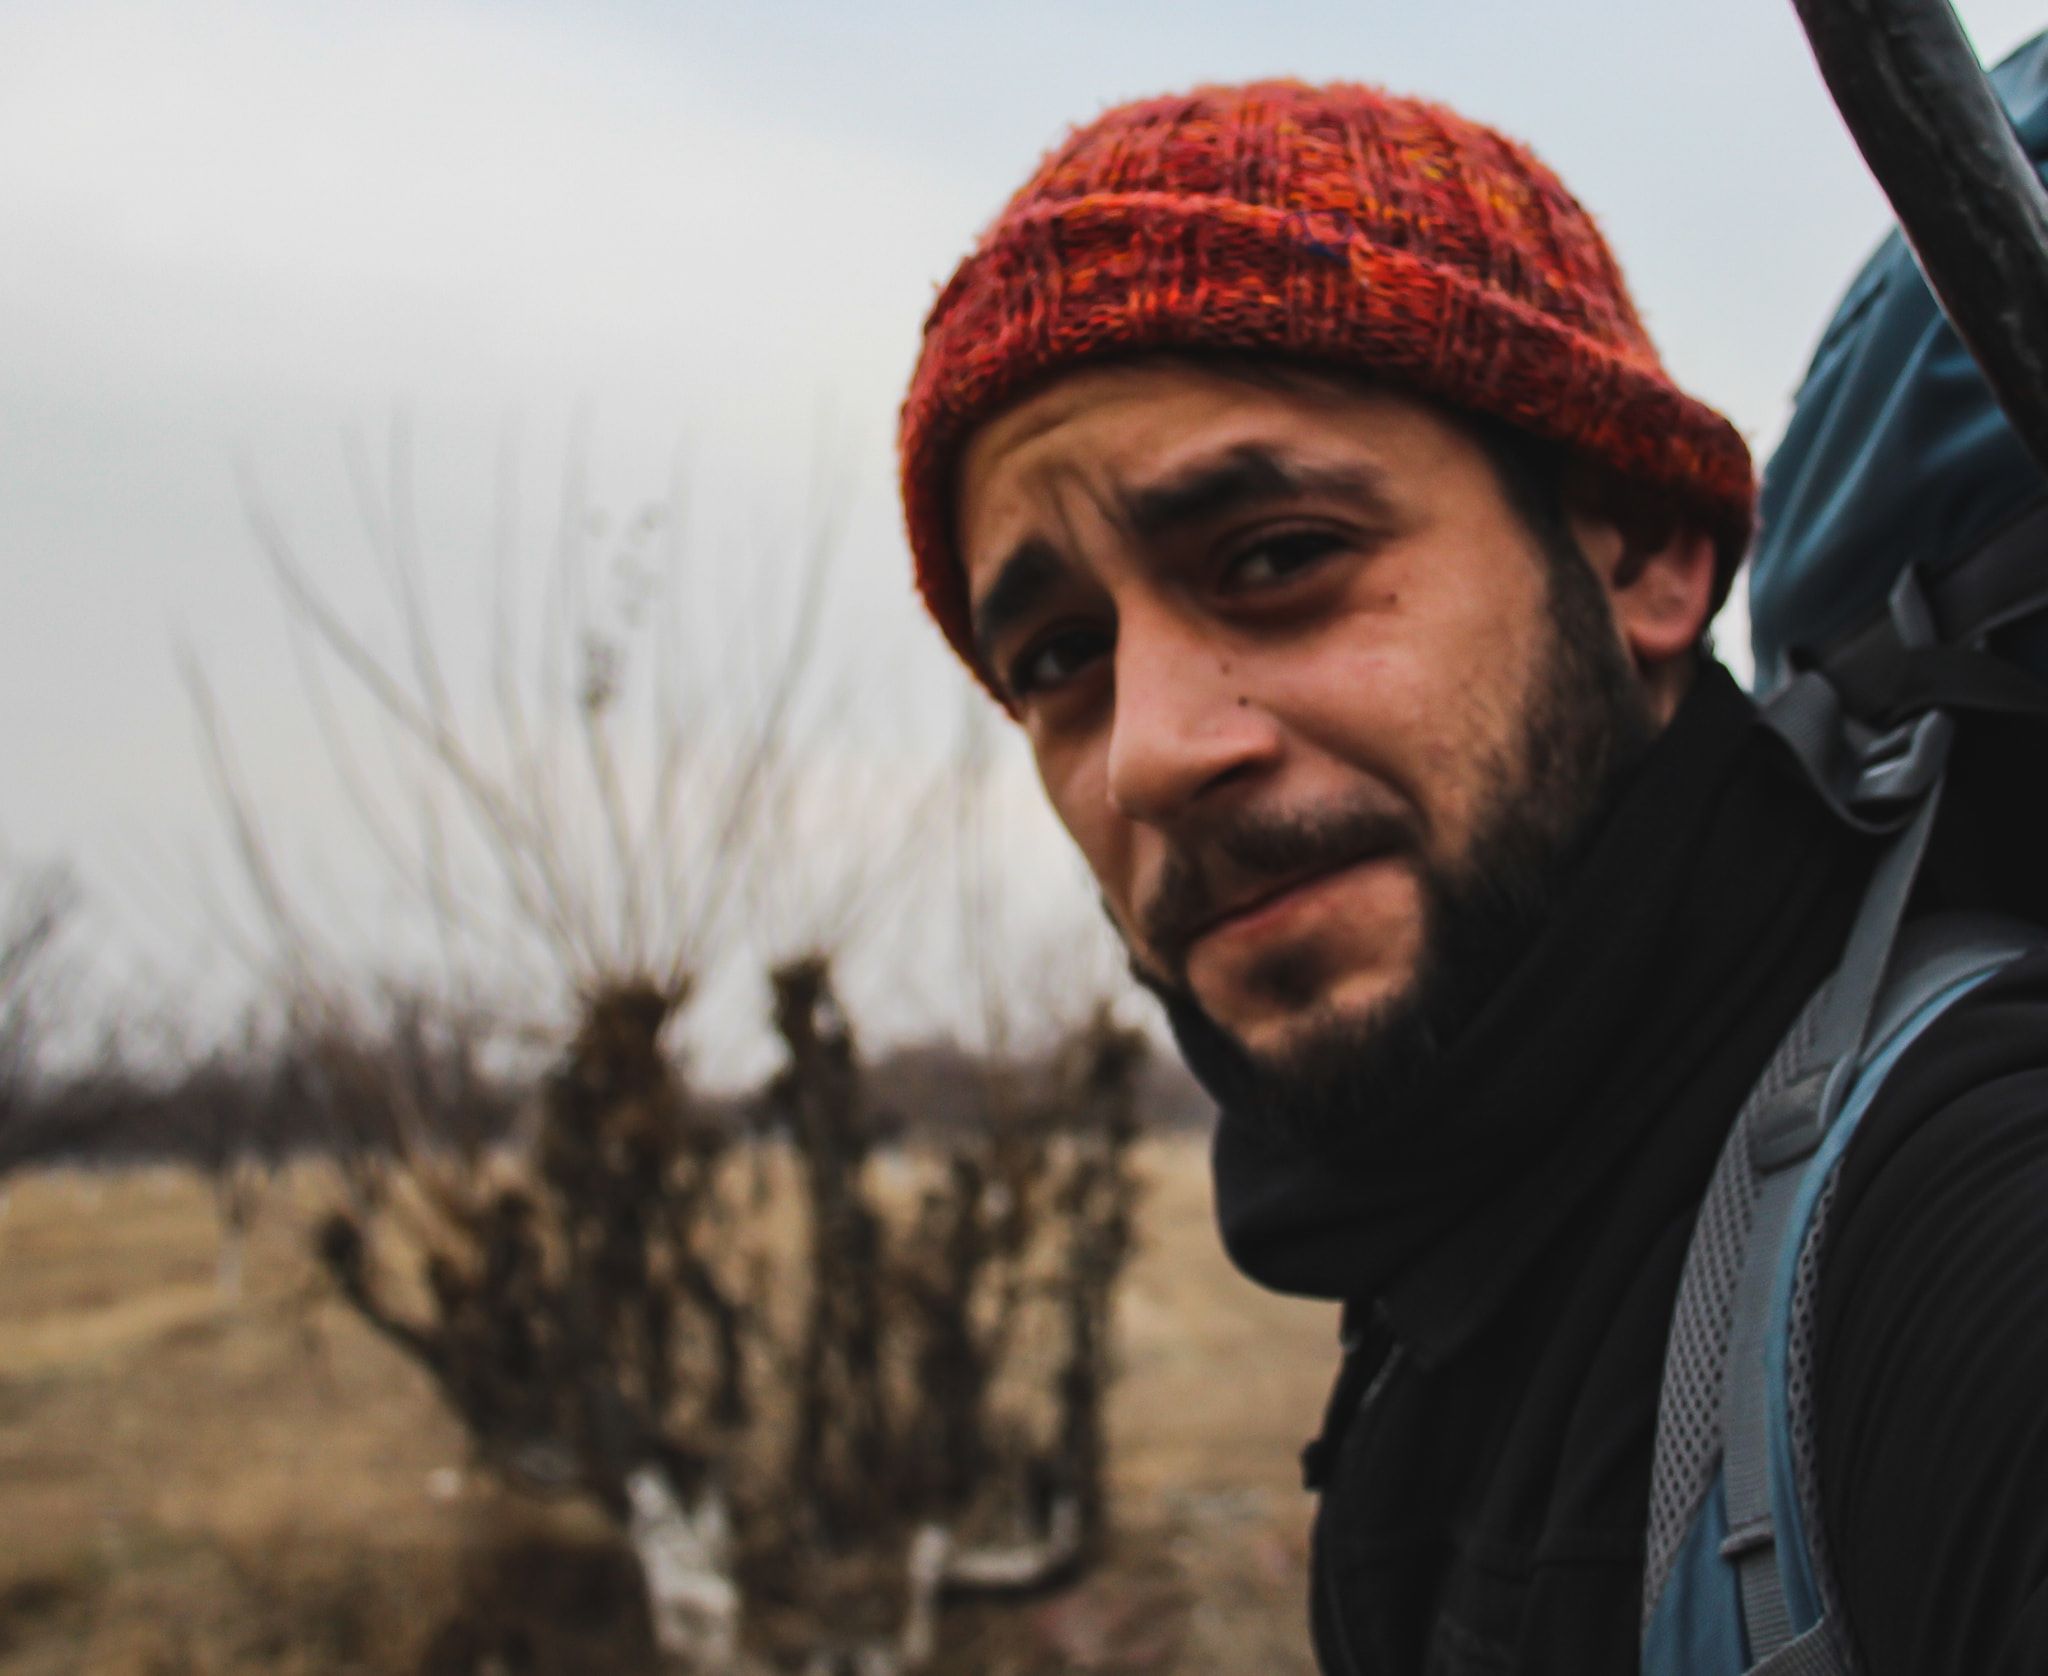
(1291, 666)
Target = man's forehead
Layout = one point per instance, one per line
(1143, 407)
(1124, 437)
(1135, 407)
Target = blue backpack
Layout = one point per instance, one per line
(1899, 601)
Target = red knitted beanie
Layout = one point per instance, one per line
(1339, 226)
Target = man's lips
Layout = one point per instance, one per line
(1265, 910)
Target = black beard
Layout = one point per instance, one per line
(1343, 1081)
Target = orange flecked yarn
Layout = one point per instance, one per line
(1339, 226)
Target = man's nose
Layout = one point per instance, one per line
(1184, 724)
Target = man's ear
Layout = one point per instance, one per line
(1658, 568)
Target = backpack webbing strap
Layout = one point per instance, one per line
(1871, 775)
(1752, 1542)
(1996, 585)
(1852, 997)
(1784, 1136)
(1999, 583)
(1893, 771)
(1813, 1654)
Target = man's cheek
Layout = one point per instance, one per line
(1108, 843)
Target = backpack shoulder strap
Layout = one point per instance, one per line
(1735, 1578)
(1772, 1537)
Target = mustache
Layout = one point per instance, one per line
(1239, 854)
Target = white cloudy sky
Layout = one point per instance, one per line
(238, 231)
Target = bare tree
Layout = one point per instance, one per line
(710, 1318)
(36, 907)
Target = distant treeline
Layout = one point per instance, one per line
(282, 1103)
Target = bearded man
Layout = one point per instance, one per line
(1292, 465)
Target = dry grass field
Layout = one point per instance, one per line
(190, 1487)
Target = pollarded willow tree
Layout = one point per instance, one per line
(36, 905)
(822, 1381)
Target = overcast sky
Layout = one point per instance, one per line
(237, 233)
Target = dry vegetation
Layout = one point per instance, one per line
(189, 1487)
(542, 1359)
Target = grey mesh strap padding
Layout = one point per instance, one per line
(1714, 1409)
(1688, 1448)
(1723, 1300)
(1783, 1134)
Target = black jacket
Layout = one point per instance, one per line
(1510, 1242)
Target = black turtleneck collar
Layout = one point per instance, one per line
(1713, 898)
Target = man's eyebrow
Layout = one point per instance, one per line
(1247, 475)
(1244, 476)
(1022, 581)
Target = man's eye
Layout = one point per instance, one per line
(1055, 659)
(1278, 558)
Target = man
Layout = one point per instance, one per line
(1291, 464)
